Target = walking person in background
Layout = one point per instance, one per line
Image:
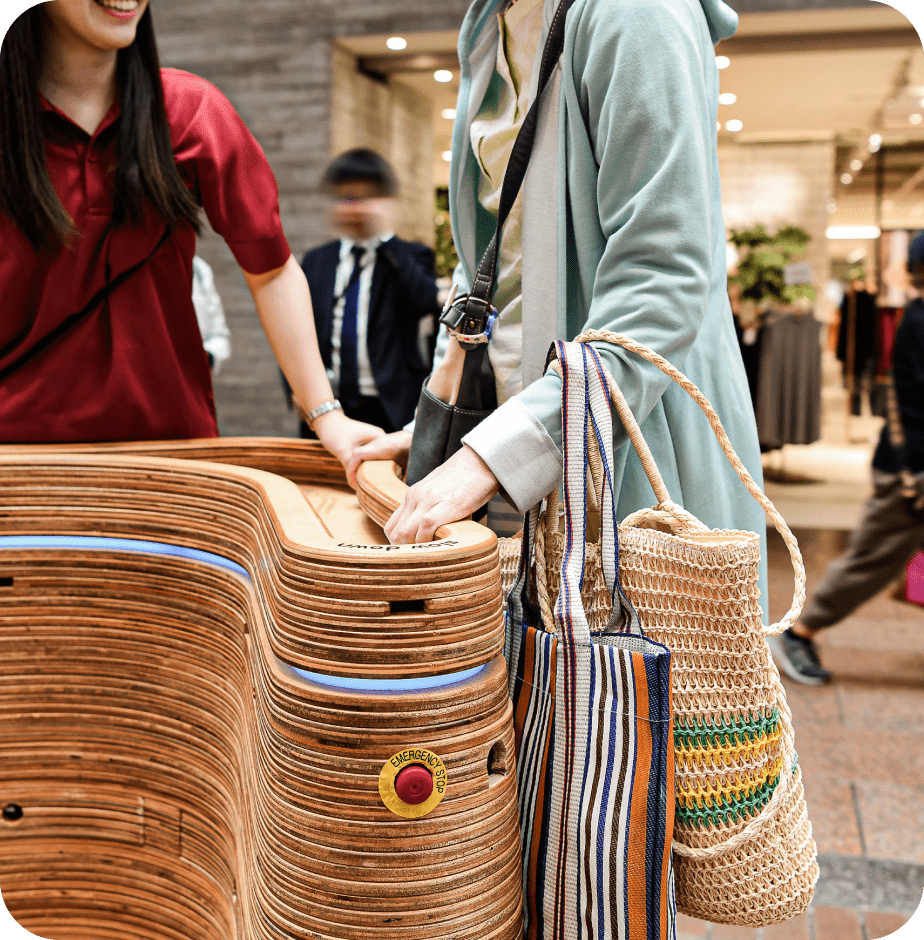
(210, 315)
(892, 528)
(105, 164)
(369, 291)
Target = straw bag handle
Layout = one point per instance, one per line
(666, 509)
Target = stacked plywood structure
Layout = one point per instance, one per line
(229, 710)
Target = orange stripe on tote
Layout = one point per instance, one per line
(528, 654)
(637, 893)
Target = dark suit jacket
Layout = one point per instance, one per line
(403, 291)
(908, 375)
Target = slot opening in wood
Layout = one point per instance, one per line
(407, 607)
(497, 759)
(6, 582)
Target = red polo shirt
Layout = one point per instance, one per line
(135, 369)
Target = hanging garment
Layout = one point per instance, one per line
(857, 345)
(750, 342)
(789, 387)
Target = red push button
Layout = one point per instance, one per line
(414, 784)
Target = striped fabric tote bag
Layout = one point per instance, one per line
(592, 713)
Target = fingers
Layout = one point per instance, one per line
(352, 467)
(394, 446)
(451, 492)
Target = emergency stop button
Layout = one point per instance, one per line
(414, 784)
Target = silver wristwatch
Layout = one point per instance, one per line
(322, 409)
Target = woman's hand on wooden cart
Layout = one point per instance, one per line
(395, 446)
(452, 492)
(342, 436)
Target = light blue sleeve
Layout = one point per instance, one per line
(640, 95)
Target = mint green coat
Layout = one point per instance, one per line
(623, 231)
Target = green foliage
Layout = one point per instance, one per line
(446, 257)
(763, 258)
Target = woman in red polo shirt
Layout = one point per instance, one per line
(105, 163)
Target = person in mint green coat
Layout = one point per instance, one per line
(619, 227)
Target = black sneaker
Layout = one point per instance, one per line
(798, 658)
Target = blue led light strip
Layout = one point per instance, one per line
(389, 685)
(180, 551)
(119, 545)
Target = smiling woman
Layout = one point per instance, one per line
(105, 163)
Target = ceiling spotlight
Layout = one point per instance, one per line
(832, 207)
(733, 125)
(865, 232)
(728, 97)
(856, 165)
(722, 62)
(443, 75)
(915, 118)
(447, 155)
(449, 113)
(846, 179)
(875, 142)
(396, 43)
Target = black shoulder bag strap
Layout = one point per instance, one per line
(94, 303)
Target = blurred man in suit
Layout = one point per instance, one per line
(369, 290)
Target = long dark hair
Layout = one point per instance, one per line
(145, 168)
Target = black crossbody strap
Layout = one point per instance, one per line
(94, 303)
(471, 318)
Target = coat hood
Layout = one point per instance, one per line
(722, 19)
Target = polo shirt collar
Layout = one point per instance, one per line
(109, 118)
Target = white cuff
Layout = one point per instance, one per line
(520, 453)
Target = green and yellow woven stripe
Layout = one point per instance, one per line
(745, 751)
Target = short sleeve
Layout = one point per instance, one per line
(215, 151)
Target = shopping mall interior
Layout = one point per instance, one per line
(820, 138)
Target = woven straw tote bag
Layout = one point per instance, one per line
(743, 847)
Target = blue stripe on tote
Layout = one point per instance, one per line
(91, 542)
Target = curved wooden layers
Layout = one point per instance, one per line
(342, 600)
(178, 776)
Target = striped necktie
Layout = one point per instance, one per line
(349, 362)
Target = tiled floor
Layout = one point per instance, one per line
(819, 923)
(861, 746)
